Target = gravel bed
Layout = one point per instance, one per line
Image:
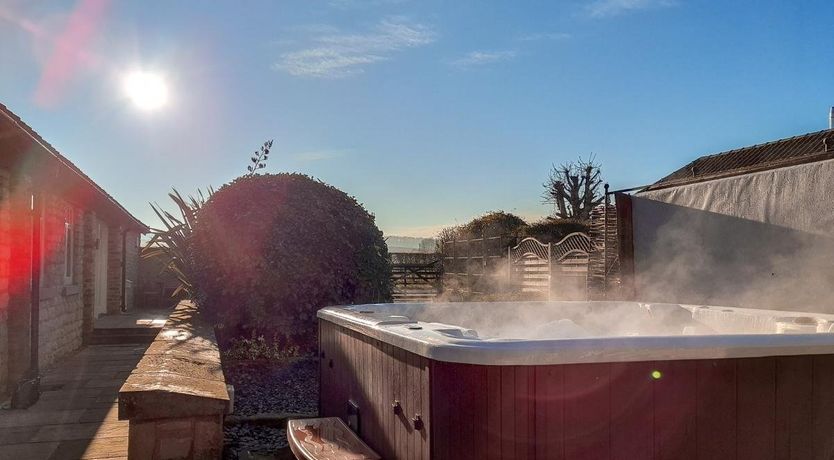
(268, 387)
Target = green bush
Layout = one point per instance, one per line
(493, 223)
(552, 230)
(270, 250)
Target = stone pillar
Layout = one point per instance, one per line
(132, 283)
(88, 273)
(114, 269)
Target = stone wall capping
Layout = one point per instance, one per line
(178, 383)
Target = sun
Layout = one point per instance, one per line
(147, 90)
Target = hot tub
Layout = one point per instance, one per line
(569, 380)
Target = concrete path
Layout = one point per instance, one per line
(140, 318)
(77, 414)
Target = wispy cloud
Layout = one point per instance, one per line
(536, 37)
(319, 155)
(339, 55)
(606, 8)
(480, 58)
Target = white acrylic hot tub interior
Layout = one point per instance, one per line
(562, 320)
(555, 332)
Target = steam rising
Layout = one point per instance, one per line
(561, 320)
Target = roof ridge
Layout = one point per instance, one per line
(66, 161)
(764, 154)
(762, 144)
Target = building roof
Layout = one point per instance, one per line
(14, 119)
(805, 148)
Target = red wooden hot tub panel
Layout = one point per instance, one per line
(749, 408)
(374, 374)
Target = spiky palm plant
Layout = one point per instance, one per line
(173, 242)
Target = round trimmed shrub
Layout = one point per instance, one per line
(272, 249)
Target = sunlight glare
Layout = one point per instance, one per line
(147, 90)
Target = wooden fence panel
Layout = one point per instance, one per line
(477, 265)
(504, 264)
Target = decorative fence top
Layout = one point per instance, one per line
(575, 243)
(529, 247)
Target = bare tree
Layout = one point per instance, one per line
(573, 189)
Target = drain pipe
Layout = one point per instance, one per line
(36, 285)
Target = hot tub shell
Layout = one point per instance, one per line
(744, 390)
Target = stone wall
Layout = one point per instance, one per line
(61, 303)
(66, 299)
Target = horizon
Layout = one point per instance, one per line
(429, 114)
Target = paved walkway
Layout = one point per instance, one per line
(77, 414)
(144, 318)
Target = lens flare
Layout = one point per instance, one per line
(147, 90)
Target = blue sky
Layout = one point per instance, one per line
(428, 112)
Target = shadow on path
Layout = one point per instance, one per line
(76, 416)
